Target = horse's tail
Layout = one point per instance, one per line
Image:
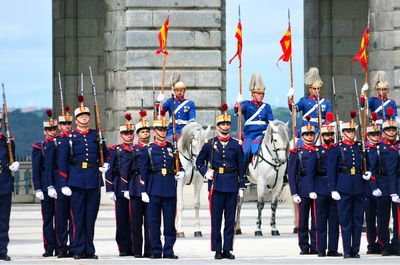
(285, 197)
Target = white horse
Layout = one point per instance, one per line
(190, 143)
(267, 170)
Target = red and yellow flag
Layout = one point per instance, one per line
(362, 54)
(162, 38)
(238, 36)
(286, 44)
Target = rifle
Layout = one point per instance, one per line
(61, 95)
(7, 125)
(174, 140)
(319, 118)
(338, 134)
(363, 152)
(100, 137)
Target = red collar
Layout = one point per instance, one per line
(162, 144)
(327, 146)
(386, 141)
(223, 138)
(126, 146)
(49, 139)
(180, 100)
(314, 98)
(384, 98)
(345, 141)
(257, 103)
(82, 132)
(308, 147)
(1, 135)
(140, 144)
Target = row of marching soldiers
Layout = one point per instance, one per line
(338, 182)
(141, 178)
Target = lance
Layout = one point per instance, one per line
(338, 134)
(292, 98)
(141, 95)
(366, 103)
(61, 95)
(174, 137)
(154, 101)
(7, 125)
(319, 117)
(163, 67)
(362, 139)
(362, 135)
(239, 136)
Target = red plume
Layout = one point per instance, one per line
(353, 113)
(308, 118)
(128, 116)
(49, 113)
(66, 108)
(329, 116)
(390, 111)
(224, 107)
(80, 99)
(162, 112)
(374, 116)
(142, 113)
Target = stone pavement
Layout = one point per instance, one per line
(26, 241)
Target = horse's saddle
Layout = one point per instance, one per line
(255, 144)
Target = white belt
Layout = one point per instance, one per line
(313, 120)
(179, 122)
(379, 121)
(256, 123)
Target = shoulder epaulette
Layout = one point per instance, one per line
(293, 151)
(239, 141)
(37, 145)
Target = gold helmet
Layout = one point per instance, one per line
(65, 117)
(224, 117)
(381, 80)
(161, 122)
(312, 78)
(128, 126)
(143, 123)
(82, 109)
(256, 84)
(50, 123)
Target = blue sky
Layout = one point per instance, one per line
(26, 49)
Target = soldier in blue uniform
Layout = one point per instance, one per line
(184, 109)
(6, 189)
(113, 186)
(373, 139)
(257, 115)
(308, 105)
(381, 103)
(396, 214)
(221, 162)
(80, 178)
(325, 207)
(384, 165)
(43, 183)
(132, 186)
(158, 172)
(300, 189)
(347, 186)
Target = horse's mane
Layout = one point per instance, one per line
(282, 130)
(186, 137)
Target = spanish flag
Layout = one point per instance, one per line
(286, 44)
(362, 54)
(238, 36)
(162, 38)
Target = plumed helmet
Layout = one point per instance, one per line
(312, 78)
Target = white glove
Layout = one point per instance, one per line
(312, 195)
(66, 191)
(104, 168)
(209, 175)
(335, 195)
(145, 197)
(364, 88)
(39, 194)
(111, 195)
(296, 199)
(160, 98)
(241, 193)
(377, 192)
(290, 92)
(239, 99)
(126, 194)
(367, 175)
(180, 176)
(14, 166)
(51, 191)
(395, 198)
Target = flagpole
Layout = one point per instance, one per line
(239, 135)
(163, 67)
(292, 85)
(366, 82)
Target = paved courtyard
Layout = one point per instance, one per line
(26, 241)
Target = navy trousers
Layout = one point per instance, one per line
(370, 221)
(222, 204)
(123, 233)
(139, 226)
(351, 215)
(84, 208)
(384, 204)
(63, 223)
(166, 207)
(307, 237)
(327, 216)
(48, 208)
(396, 227)
(5, 211)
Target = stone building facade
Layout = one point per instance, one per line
(118, 38)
